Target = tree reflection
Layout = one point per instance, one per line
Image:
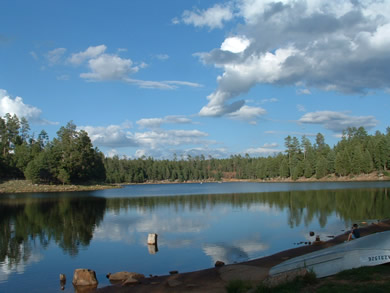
(302, 206)
(69, 222)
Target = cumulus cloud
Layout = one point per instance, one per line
(235, 44)
(112, 67)
(338, 46)
(271, 100)
(267, 149)
(158, 138)
(162, 57)
(303, 92)
(116, 136)
(157, 122)
(109, 67)
(240, 77)
(248, 113)
(213, 17)
(89, 53)
(17, 106)
(338, 121)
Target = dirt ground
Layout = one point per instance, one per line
(214, 280)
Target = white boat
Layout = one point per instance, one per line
(370, 250)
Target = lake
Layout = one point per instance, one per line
(43, 235)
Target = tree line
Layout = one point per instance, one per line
(68, 158)
(71, 158)
(356, 153)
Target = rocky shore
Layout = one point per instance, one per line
(215, 280)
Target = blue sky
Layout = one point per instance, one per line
(198, 77)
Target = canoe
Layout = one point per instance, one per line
(370, 250)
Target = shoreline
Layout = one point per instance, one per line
(330, 178)
(24, 186)
(215, 280)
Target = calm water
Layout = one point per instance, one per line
(43, 235)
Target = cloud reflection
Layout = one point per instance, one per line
(10, 266)
(237, 252)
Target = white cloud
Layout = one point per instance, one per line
(160, 138)
(168, 153)
(338, 46)
(164, 85)
(267, 149)
(213, 17)
(303, 92)
(18, 107)
(90, 53)
(292, 133)
(240, 77)
(157, 122)
(117, 136)
(109, 67)
(53, 56)
(162, 57)
(271, 100)
(248, 113)
(114, 136)
(338, 121)
(235, 44)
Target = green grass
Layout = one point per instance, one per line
(374, 279)
(238, 286)
(365, 274)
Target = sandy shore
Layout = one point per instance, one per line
(214, 280)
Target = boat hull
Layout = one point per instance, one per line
(371, 250)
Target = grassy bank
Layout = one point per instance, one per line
(364, 279)
(19, 186)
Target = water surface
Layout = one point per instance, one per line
(43, 235)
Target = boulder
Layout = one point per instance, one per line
(123, 276)
(219, 263)
(84, 277)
